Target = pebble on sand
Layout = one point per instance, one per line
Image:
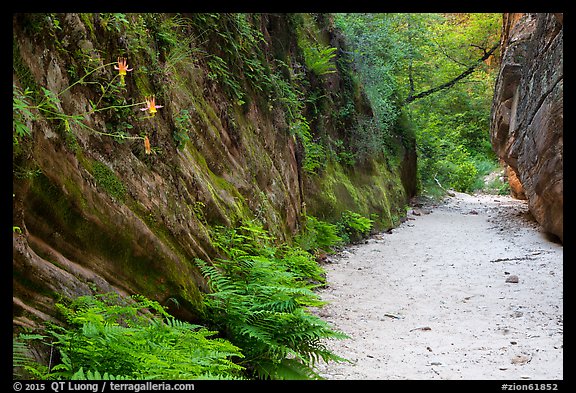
(512, 279)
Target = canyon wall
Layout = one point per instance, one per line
(110, 197)
(527, 113)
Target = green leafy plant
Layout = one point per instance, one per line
(183, 125)
(401, 54)
(23, 364)
(111, 337)
(260, 298)
(116, 21)
(353, 227)
(318, 234)
(318, 59)
(220, 71)
(343, 155)
(497, 186)
(314, 153)
(301, 264)
(49, 105)
(21, 109)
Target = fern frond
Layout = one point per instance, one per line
(287, 369)
(20, 355)
(96, 376)
(216, 279)
(22, 361)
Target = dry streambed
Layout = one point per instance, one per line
(466, 289)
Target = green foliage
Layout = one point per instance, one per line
(504, 188)
(235, 58)
(318, 60)
(220, 71)
(49, 105)
(109, 337)
(251, 239)
(183, 125)
(315, 156)
(21, 113)
(460, 174)
(399, 55)
(114, 21)
(178, 46)
(317, 55)
(344, 156)
(453, 143)
(498, 187)
(290, 96)
(301, 264)
(353, 227)
(318, 234)
(95, 376)
(376, 50)
(20, 358)
(260, 295)
(24, 365)
(453, 127)
(314, 152)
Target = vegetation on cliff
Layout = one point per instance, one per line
(138, 138)
(201, 164)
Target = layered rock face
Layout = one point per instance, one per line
(98, 213)
(527, 113)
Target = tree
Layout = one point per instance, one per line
(456, 43)
(409, 58)
(412, 97)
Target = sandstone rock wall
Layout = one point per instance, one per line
(527, 113)
(96, 213)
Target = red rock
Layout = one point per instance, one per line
(512, 279)
(527, 113)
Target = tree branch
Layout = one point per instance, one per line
(452, 82)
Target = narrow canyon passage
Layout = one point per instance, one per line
(466, 289)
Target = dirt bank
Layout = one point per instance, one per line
(433, 298)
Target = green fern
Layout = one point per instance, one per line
(135, 338)
(260, 299)
(287, 369)
(96, 376)
(24, 365)
(319, 234)
(353, 227)
(20, 358)
(318, 59)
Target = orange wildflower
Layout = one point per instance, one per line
(151, 105)
(147, 148)
(122, 68)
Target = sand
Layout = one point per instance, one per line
(430, 300)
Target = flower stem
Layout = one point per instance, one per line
(115, 106)
(81, 79)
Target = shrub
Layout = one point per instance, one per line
(319, 235)
(135, 338)
(21, 111)
(260, 298)
(353, 226)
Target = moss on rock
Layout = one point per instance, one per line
(140, 220)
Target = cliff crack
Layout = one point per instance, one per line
(543, 98)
